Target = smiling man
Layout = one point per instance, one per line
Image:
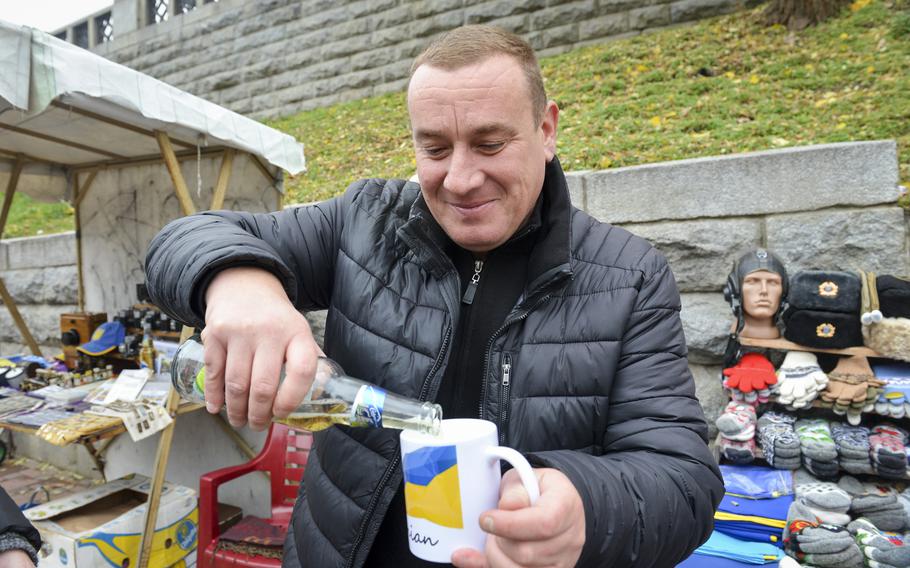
(481, 288)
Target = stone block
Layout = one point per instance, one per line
(576, 184)
(322, 19)
(391, 86)
(710, 393)
(347, 46)
(562, 14)
(435, 24)
(43, 323)
(411, 48)
(368, 7)
(873, 239)
(788, 180)
(373, 58)
(701, 253)
(255, 40)
(604, 26)
(390, 17)
(352, 28)
(687, 10)
(390, 36)
(706, 320)
(487, 11)
(37, 252)
(396, 71)
(649, 16)
(563, 35)
(517, 24)
(605, 7)
(51, 285)
(424, 8)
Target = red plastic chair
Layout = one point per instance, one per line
(284, 456)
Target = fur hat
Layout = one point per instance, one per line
(889, 336)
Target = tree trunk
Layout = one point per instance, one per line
(800, 14)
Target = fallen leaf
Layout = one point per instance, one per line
(655, 121)
(753, 79)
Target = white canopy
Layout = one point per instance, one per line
(64, 109)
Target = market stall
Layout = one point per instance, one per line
(129, 153)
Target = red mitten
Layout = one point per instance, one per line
(753, 372)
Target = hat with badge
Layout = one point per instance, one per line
(105, 339)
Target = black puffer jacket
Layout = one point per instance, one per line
(599, 388)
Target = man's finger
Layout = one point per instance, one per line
(469, 558)
(513, 495)
(263, 385)
(546, 519)
(299, 370)
(237, 384)
(215, 359)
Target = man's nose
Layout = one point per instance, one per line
(463, 174)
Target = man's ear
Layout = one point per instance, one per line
(548, 127)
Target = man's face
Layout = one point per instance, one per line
(480, 157)
(762, 291)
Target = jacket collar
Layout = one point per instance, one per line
(550, 262)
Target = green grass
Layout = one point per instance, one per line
(643, 100)
(28, 217)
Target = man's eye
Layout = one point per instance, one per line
(433, 151)
(491, 147)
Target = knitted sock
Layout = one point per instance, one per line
(877, 547)
(823, 540)
(867, 497)
(736, 451)
(820, 494)
(851, 441)
(778, 440)
(887, 445)
(815, 439)
(737, 422)
(821, 470)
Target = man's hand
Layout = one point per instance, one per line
(251, 330)
(15, 559)
(551, 533)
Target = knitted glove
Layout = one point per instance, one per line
(799, 379)
(753, 373)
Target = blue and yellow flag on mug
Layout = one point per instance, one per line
(431, 487)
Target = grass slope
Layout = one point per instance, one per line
(720, 86)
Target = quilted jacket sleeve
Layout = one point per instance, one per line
(15, 530)
(297, 245)
(650, 499)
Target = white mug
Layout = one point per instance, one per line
(449, 480)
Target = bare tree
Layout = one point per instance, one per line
(800, 14)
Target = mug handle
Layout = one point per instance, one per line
(518, 461)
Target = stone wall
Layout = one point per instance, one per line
(40, 274)
(276, 57)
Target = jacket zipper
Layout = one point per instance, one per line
(371, 508)
(471, 288)
(486, 366)
(506, 387)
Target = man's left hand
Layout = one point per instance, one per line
(551, 533)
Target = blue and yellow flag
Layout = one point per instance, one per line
(431, 488)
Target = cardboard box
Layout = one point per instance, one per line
(102, 526)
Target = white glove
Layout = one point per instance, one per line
(799, 379)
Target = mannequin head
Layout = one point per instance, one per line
(756, 288)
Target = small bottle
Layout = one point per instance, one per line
(147, 352)
(333, 398)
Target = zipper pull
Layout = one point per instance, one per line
(472, 285)
(506, 369)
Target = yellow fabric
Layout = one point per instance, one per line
(774, 523)
(438, 502)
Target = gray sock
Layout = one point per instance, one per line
(815, 439)
(822, 494)
(814, 540)
(849, 558)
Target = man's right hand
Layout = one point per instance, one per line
(251, 330)
(15, 559)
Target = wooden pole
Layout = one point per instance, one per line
(224, 176)
(10, 191)
(4, 293)
(154, 500)
(173, 168)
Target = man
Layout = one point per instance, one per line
(19, 540)
(482, 289)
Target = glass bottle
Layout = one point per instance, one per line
(333, 398)
(147, 353)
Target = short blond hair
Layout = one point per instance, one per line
(468, 45)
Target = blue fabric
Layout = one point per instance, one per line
(767, 508)
(751, 532)
(725, 546)
(703, 561)
(891, 370)
(756, 481)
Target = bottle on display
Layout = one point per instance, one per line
(147, 353)
(333, 398)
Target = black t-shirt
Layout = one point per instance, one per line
(500, 286)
